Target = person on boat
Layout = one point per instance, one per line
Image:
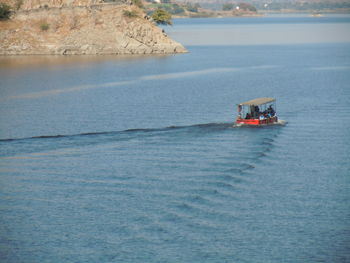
(271, 111)
(248, 116)
(239, 109)
(254, 111)
(257, 110)
(261, 117)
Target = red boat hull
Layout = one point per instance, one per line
(257, 122)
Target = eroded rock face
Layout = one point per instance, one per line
(81, 27)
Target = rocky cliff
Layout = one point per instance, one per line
(82, 27)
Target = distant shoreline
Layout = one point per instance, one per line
(262, 13)
(295, 11)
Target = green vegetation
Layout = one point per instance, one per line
(44, 26)
(202, 14)
(130, 14)
(138, 3)
(177, 9)
(5, 11)
(227, 7)
(161, 16)
(192, 8)
(173, 9)
(165, 6)
(242, 6)
(247, 7)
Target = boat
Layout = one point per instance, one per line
(258, 112)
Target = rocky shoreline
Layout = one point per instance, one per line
(57, 27)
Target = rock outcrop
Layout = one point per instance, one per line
(53, 27)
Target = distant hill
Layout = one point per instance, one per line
(278, 5)
(187, 9)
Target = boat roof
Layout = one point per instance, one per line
(258, 101)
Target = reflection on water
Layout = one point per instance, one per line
(17, 62)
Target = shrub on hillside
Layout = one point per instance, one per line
(247, 7)
(192, 7)
(44, 26)
(130, 14)
(177, 9)
(228, 7)
(5, 11)
(138, 3)
(161, 16)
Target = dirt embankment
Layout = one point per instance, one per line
(55, 27)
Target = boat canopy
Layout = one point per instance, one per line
(258, 101)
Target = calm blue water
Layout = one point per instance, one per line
(119, 159)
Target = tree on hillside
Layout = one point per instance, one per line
(247, 7)
(161, 16)
(4, 11)
(177, 9)
(138, 3)
(193, 7)
(227, 7)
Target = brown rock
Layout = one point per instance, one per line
(76, 27)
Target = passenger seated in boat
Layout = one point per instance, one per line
(255, 111)
(261, 117)
(248, 116)
(271, 110)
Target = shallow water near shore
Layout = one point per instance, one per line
(117, 159)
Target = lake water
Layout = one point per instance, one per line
(135, 159)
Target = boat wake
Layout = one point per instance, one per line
(195, 127)
(210, 134)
